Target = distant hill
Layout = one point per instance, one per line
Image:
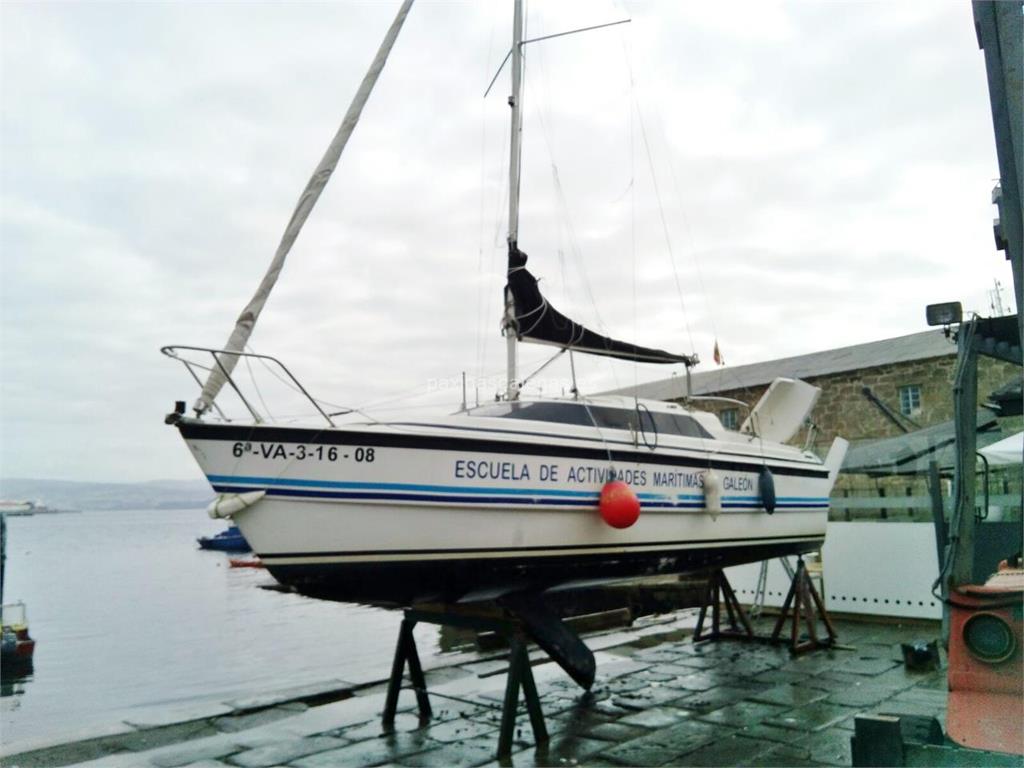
(71, 494)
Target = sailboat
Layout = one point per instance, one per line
(520, 495)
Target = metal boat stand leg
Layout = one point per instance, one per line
(520, 674)
(807, 607)
(406, 652)
(719, 592)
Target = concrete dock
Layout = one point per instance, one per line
(659, 699)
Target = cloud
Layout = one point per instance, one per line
(813, 174)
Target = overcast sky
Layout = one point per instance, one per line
(823, 171)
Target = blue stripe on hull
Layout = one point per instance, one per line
(446, 494)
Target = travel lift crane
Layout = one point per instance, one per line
(983, 613)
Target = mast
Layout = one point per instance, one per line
(515, 155)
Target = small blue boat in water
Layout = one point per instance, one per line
(230, 540)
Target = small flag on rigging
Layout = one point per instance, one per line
(717, 355)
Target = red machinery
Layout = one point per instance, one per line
(986, 663)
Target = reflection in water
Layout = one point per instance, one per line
(14, 673)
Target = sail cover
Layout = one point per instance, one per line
(536, 320)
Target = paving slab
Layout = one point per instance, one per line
(291, 694)
(579, 720)
(382, 751)
(732, 750)
(194, 751)
(285, 751)
(404, 721)
(462, 730)
(697, 661)
(780, 676)
(243, 722)
(764, 732)
(154, 717)
(472, 752)
(743, 713)
(626, 684)
(654, 676)
(697, 681)
(748, 667)
(618, 669)
(779, 757)
(866, 665)
(656, 717)
(790, 695)
(616, 731)
(836, 681)
(720, 696)
(663, 746)
(811, 717)
(315, 720)
(829, 747)
(860, 695)
(569, 750)
(645, 698)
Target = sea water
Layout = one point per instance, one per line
(131, 619)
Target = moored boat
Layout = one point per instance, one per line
(16, 645)
(229, 540)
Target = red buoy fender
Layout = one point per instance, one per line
(619, 506)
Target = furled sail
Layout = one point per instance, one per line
(247, 319)
(536, 320)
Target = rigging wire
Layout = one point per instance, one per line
(664, 221)
(627, 47)
(480, 325)
(259, 394)
(687, 228)
(566, 224)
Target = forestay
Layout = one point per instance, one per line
(247, 319)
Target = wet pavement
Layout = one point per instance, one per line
(659, 699)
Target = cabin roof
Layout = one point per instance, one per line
(901, 349)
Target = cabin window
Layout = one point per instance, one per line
(729, 418)
(580, 415)
(910, 400)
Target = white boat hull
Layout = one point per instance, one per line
(392, 516)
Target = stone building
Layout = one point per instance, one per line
(868, 391)
(876, 394)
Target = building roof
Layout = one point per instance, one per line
(902, 349)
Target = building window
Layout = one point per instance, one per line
(910, 400)
(728, 418)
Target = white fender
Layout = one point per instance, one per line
(712, 493)
(228, 504)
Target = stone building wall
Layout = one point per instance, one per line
(843, 409)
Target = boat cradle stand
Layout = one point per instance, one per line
(802, 604)
(520, 674)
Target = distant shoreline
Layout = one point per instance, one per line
(85, 496)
